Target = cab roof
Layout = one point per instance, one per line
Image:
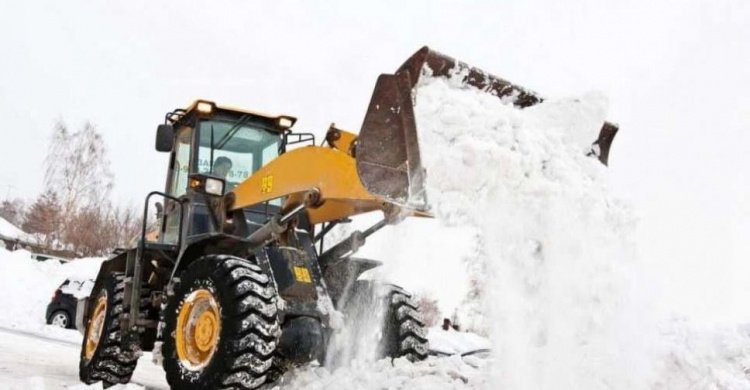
(283, 121)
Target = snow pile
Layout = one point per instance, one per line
(548, 251)
(29, 285)
(705, 359)
(547, 247)
(445, 373)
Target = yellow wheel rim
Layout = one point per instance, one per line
(198, 327)
(95, 327)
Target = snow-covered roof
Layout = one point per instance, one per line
(11, 232)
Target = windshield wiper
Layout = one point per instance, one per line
(211, 160)
(223, 141)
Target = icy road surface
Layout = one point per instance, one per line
(29, 362)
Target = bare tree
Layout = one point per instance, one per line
(77, 167)
(74, 214)
(86, 230)
(13, 211)
(43, 219)
(78, 170)
(127, 225)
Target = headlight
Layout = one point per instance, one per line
(285, 122)
(214, 186)
(209, 185)
(205, 108)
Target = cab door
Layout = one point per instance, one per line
(177, 182)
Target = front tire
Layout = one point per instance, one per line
(221, 326)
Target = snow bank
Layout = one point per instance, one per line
(28, 286)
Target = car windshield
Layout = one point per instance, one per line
(235, 150)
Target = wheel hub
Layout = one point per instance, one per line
(198, 327)
(60, 320)
(205, 331)
(95, 327)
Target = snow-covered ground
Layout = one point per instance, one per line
(34, 355)
(30, 362)
(529, 243)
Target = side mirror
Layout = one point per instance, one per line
(164, 138)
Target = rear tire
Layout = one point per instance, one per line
(221, 326)
(403, 330)
(102, 357)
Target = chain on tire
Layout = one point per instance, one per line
(221, 326)
(102, 356)
(404, 331)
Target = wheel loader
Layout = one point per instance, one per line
(232, 283)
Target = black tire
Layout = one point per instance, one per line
(403, 330)
(249, 329)
(110, 363)
(68, 321)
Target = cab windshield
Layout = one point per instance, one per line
(234, 150)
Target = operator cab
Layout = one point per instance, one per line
(212, 150)
(221, 142)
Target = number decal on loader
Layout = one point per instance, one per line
(266, 184)
(301, 274)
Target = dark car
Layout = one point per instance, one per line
(43, 257)
(61, 310)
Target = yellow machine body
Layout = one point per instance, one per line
(329, 171)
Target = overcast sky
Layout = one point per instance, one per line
(677, 74)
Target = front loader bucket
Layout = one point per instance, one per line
(441, 65)
(387, 149)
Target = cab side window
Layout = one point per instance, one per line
(181, 164)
